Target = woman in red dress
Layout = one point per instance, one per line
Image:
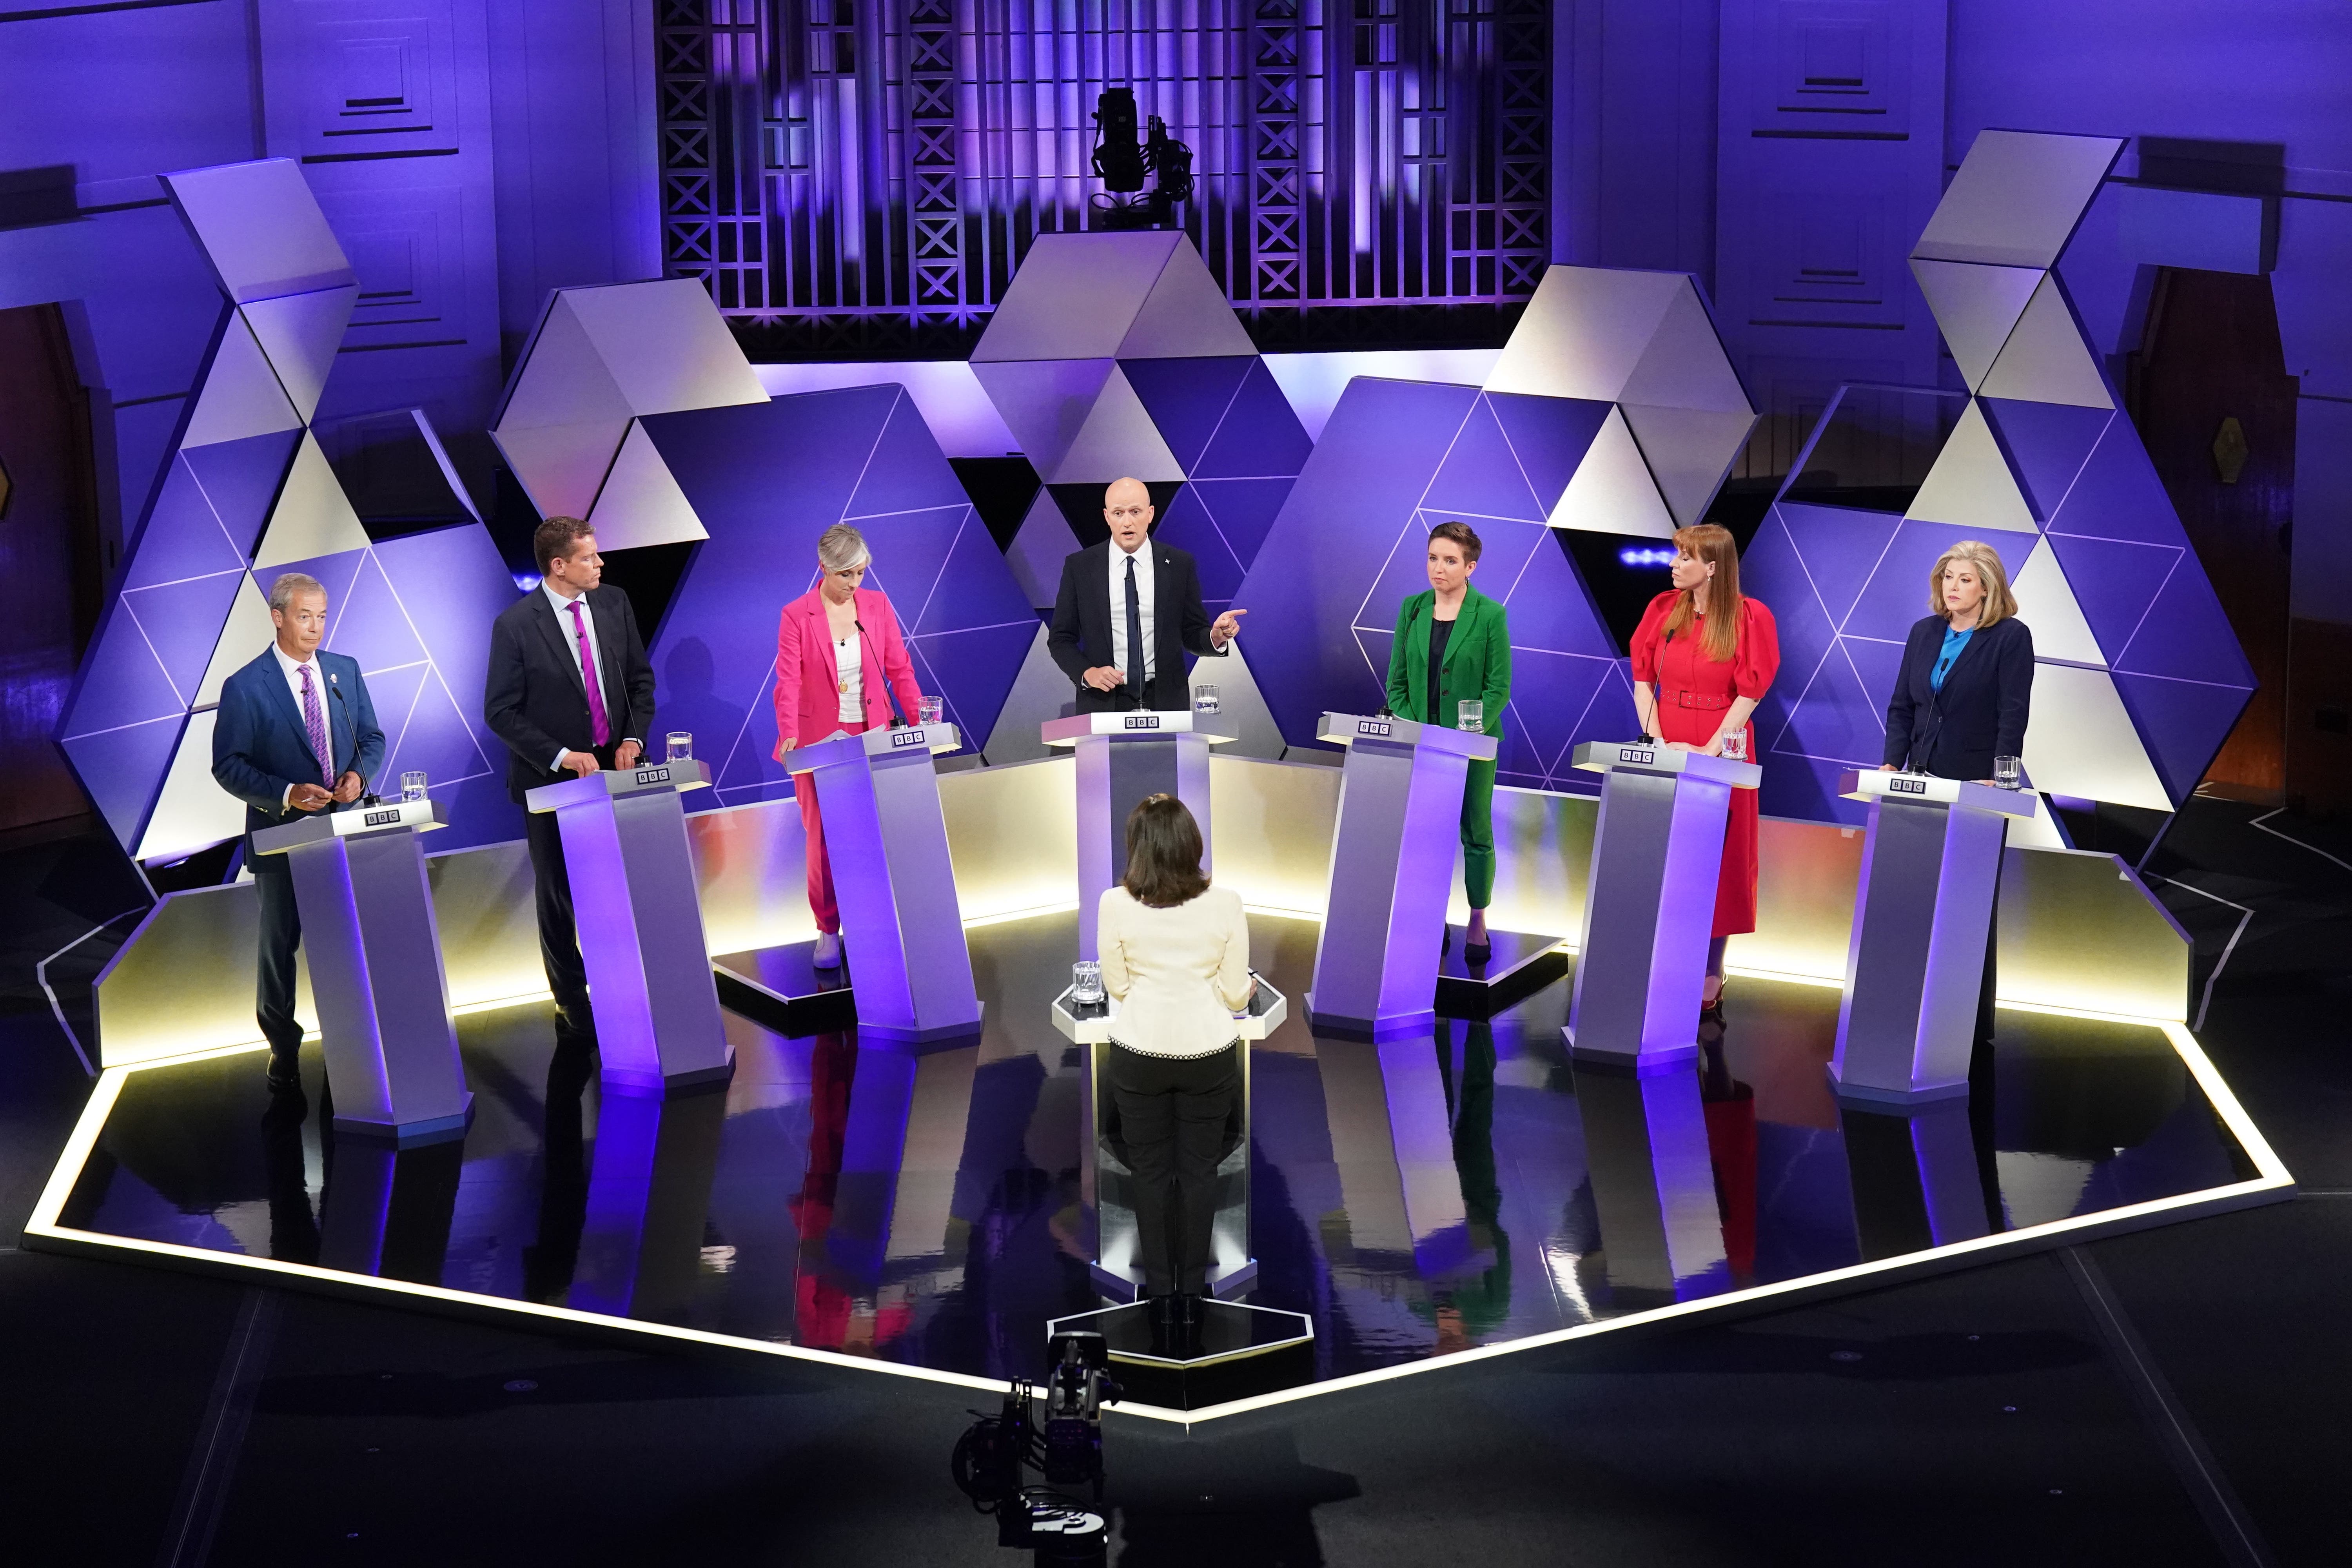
(1703, 658)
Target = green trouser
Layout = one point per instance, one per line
(1478, 835)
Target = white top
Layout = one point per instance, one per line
(849, 664)
(294, 669)
(1143, 596)
(1180, 975)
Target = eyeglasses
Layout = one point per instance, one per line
(1117, 513)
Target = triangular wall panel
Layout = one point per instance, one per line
(1612, 491)
(1970, 484)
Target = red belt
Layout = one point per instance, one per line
(1696, 699)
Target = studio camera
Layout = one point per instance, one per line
(1124, 165)
(992, 1460)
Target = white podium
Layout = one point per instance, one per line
(639, 914)
(376, 968)
(1124, 757)
(1106, 1196)
(1649, 903)
(1915, 964)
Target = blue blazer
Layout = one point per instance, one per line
(260, 744)
(1979, 715)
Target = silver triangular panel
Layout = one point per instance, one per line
(2017, 197)
(1970, 484)
(247, 631)
(192, 811)
(2046, 602)
(1117, 441)
(1186, 315)
(1584, 332)
(1685, 365)
(1045, 403)
(1040, 545)
(1077, 295)
(1611, 490)
(640, 504)
(1975, 308)
(2080, 741)
(2046, 359)
(312, 517)
(561, 466)
(241, 395)
(564, 379)
(1689, 451)
(299, 333)
(664, 345)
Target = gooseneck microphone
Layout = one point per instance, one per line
(889, 699)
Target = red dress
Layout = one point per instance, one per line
(1693, 692)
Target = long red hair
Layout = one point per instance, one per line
(1719, 633)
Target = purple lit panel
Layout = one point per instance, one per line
(1548, 606)
(1258, 436)
(2047, 445)
(1833, 551)
(120, 682)
(767, 479)
(1187, 524)
(1548, 436)
(1481, 477)
(1895, 596)
(2182, 723)
(2116, 582)
(2186, 635)
(335, 572)
(1242, 511)
(1189, 398)
(371, 624)
(240, 479)
(2118, 496)
(182, 622)
(182, 536)
(123, 768)
(451, 584)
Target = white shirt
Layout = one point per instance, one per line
(294, 669)
(1179, 973)
(572, 643)
(849, 665)
(1118, 559)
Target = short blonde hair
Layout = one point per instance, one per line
(842, 547)
(1999, 603)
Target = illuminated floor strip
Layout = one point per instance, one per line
(2270, 1184)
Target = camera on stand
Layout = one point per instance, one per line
(1124, 164)
(992, 1460)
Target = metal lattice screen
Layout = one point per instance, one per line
(860, 177)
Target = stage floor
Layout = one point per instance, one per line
(1413, 1199)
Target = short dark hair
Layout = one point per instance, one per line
(1463, 535)
(555, 540)
(1163, 853)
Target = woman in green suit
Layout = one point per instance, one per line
(1453, 645)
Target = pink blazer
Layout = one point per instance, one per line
(808, 690)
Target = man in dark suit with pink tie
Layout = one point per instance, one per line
(570, 691)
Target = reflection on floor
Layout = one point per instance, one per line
(1412, 1198)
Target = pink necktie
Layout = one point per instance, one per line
(316, 722)
(601, 726)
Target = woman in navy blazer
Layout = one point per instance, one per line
(1966, 682)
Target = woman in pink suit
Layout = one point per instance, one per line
(839, 660)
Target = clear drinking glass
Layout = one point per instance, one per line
(1086, 983)
(1735, 746)
(681, 745)
(1207, 700)
(1470, 714)
(412, 786)
(927, 711)
(2007, 771)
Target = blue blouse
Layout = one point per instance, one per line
(1954, 641)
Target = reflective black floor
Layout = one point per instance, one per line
(1412, 1199)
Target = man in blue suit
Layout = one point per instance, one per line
(296, 735)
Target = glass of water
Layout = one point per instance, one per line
(681, 745)
(1086, 983)
(1470, 714)
(1735, 746)
(927, 711)
(2007, 771)
(412, 786)
(1207, 700)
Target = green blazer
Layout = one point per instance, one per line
(1477, 660)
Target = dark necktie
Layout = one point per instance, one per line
(1134, 635)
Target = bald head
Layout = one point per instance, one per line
(1126, 506)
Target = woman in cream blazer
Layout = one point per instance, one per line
(1175, 954)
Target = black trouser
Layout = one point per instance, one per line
(281, 934)
(559, 938)
(1174, 1118)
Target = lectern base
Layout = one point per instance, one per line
(1867, 1094)
(1652, 1063)
(1235, 1352)
(653, 1086)
(945, 1036)
(1116, 1285)
(781, 988)
(409, 1134)
(1518, 965)
(1398, 1026)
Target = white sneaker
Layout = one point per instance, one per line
(828, 950)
